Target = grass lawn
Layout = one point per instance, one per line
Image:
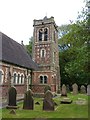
(61, 111)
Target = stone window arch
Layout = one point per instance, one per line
(43, 79)
(1, 76)
(22, 78)
(14, 77)
(18, 78)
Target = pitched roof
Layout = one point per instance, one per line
(15, 53)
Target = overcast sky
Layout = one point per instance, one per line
(16, 16)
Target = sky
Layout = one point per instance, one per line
(16, 16)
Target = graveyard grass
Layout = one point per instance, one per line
(61, 111)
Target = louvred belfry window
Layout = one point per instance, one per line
(40, 35)
(45, 34)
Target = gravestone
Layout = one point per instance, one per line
(37, 103)
(28, 100)
(83, 89)
(64, 90)
(48, 103)
(88, 90)
(13, 112)
(75, 89)
(66, 101)
(12, 98)
(81, 101)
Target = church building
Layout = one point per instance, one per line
(16, 67)
(46, 55)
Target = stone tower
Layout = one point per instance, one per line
(45, 54)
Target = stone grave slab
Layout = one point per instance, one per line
(66, 101)
(81, 101)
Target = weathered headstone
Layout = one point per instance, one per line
(12, 98)
(83, 89)
(75, 88)
(64, 91)
(48, 103)
(88, 90)
(28, 100)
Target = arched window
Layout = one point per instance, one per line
(40, 35)
(18, 78)
(1, 76)
(14, 78)
(43, 79)
(43, 53)
(22, 78)
(45, 34)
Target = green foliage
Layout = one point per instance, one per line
(29, 46)
(74, 62)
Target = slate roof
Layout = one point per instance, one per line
(15, 53)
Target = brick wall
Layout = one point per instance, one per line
(4, 87)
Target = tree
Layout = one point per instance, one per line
(74, 61)
(29, 46)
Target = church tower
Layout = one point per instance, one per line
(46, 55)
